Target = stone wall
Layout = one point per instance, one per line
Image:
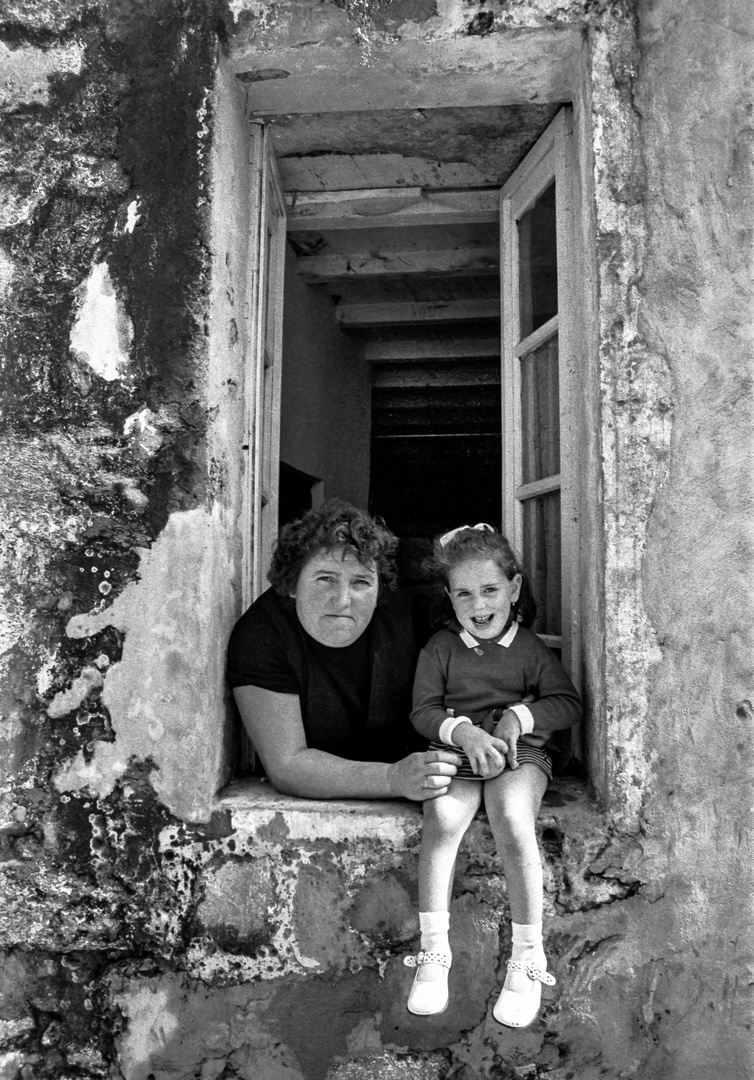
(149, 930)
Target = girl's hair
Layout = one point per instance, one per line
(337, 524)
(478, 542)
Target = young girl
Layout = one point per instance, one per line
(468, 690)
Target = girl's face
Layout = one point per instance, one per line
(482, 596)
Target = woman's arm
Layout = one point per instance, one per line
(274, 724)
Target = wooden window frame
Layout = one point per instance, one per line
(551, 159)
(267, 237)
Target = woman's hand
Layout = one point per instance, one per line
(486, 753)
(508, 728)
(423, 776)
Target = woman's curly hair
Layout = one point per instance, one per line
(473, 543)
(337, 524)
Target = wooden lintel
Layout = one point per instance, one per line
(456, 261)
(436, 311)
(422, 349)
(390, 208)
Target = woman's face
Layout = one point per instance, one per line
(482, 596)
(335, 597)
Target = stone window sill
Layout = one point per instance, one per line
(255, 802)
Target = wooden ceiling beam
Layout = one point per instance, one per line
(455, 261)
(427, 376)
(412, 349)
(367, 172)
(390, 208)
(406, 314)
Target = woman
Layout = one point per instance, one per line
(322, 665)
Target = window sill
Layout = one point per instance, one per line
(254, 803)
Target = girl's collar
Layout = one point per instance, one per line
(507, 638)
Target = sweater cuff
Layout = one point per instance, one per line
(449, 725)
(525, 718)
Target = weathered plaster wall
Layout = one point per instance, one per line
(119, 482)
(325, 400)
(151, 932)
(696, 99)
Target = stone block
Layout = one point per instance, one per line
(384, 910)
(238, 899)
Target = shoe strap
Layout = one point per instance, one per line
(427, 958)
(534, 971)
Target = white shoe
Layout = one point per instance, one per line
(429, 992)
(519, 1008)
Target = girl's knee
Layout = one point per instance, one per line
(524, 849)
(512, 824)
(447, 818)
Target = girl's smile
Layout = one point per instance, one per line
(482, 596)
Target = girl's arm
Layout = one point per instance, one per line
(486, 753)
(558, 703)
(275, 726)
(429, 713)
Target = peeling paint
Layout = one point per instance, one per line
(157, 696)
(6, 274)
(66, 701)
(132, 216)
(27, 70)
(144, 431)
(102, 334)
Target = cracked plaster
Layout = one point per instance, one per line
(154, 688)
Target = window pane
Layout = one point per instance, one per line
(540, 413)
(537, 263)
(541, 556)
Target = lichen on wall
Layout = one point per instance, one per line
(108, 407)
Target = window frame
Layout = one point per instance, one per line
(551, 159)
(267, 238)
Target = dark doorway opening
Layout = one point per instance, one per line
(295, 493)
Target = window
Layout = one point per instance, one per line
(538, 356)
(530, 310)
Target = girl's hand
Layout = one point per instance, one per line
(486, 753)
(508, 729)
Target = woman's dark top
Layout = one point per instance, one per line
(355, 701)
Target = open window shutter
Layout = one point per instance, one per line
(538, 358)
(263, 375)
(262, 434)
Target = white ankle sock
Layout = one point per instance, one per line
(527, 947)
(526, 937)
(434, 926)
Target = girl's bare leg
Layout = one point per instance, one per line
(512, 801)
(445, 821)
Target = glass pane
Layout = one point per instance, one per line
(537, 263)
(269, 299)
(540, 412)
(541, 556)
